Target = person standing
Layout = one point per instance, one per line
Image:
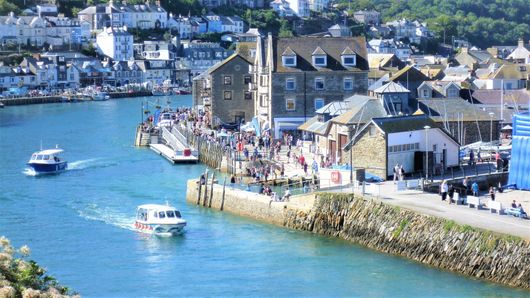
(444, 189)
(471, 157)
(401, 173)
(396, 169)
(492, 193)
(451, 193)
(474, 188)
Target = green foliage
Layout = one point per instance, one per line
(6, 6)
(21, 274)
(483, 23)
(449, 225)
(89, 50)
(402, 226)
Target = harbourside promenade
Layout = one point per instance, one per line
(431, 204)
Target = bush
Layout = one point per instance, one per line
(20, 277)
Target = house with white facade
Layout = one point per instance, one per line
(141, 16)
(299, 7)
(115, 43)
(318, 5)
(413, 30)
(369, 17)
(281, 7)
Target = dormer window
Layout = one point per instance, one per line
(289, 58)
(348, 57)
(320, 58)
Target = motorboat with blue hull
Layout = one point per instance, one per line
(159, 220)
(47, 162)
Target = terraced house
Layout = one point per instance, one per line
(294, 77)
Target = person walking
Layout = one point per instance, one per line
(396, 169)
(451, 193)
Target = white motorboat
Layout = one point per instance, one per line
(47, 162)
(160, 220)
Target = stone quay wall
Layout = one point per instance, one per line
(432, 241)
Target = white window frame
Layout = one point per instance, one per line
(318, 100)
(315, 57)
(343, 58)
(344, 84)
(287, 100)
(323, 83)
(284, 61)
(289, 80)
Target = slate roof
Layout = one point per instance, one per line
(414, 74)
(511, 97)
(452, 109)
(332, 46)
(404, 123)
(362, 110)
(379, 60)
(228, 59)
(515, 71)
(392, 87)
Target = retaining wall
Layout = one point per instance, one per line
(430, 240)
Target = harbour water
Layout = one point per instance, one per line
(78, 223)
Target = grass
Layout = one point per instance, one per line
(402, 226)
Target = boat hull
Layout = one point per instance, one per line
(164, 230)
(51, 168)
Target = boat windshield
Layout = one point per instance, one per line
(46, 157)
(142, 214)
(39, 157)
(177, 214)
(170, 213)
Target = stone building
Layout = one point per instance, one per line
(384, 142)
(223, 91)
(294, 77)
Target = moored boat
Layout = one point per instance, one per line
(160, 220)
(47, 162)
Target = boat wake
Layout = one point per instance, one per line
(107, 216)
(89, 163)
(29, 172)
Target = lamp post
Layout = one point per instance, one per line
(426, 127)
(491, 126)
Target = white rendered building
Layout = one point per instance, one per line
(115, 43)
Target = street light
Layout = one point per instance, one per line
(426, 127)
(491, 126)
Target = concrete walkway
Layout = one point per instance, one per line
(433, 205)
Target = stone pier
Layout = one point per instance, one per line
(427, 239)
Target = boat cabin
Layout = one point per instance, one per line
(157, 213)
(46, 156)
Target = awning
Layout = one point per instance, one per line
(507, 127)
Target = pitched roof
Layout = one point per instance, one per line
(304, 47)
(392, 87)
(318, 51)
(514, 71)
(413, 74)
(511, 97)
(404, 123)
(378, 60)
(453, 109)
(288, 52)
(228, 59)
(362, 110)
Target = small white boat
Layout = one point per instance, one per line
(166, 119)
(47, 162)
(160, 220)
(100, 96)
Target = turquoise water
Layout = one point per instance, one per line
(78, 223)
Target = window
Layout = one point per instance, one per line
(348, 84)
(348, 60)
(248, 95)
(319, 102)
(319, 84)
(290, 104)
(247, 79)
(161, 214)
(289, 61)
(452, 92)
(319, 60)
(227, 80)
(228, 95)
(290, 84)
(425, 93)
(170, 213)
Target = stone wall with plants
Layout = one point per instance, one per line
(430, 240)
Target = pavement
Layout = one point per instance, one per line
(432, 204)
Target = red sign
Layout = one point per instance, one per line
(335, 177)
